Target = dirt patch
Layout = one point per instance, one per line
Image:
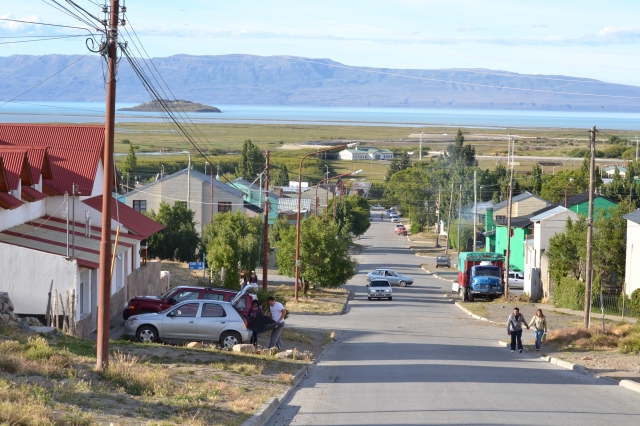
(327, 301)
(180, 274)
(47, 382)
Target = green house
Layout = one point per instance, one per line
(580, 204)
(252, 194)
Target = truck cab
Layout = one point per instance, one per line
(479, 275)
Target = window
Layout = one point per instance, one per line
(224, 206)
(511, 232)
(241, 304)
(81, 298)
(213, 296)
(212, 310)
(186, 295)
(188, 310)
(140, 205)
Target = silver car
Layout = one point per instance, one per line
(379, 289)
(390, 275)
(191, 320)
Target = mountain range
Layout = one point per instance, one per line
(283, 80)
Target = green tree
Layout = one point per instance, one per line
(460, 154)
(232, 238)
(536, 179)
(401, 161)
(352, 214)
(279, 226)
(324, 254)
(281, 176)
(567, 251)
(131, 163)
(466, 233)
(179, 239)
(251, 161)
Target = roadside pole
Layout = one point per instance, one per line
(588, 266)
(438, 215)
(449, 220)
(459, 217)
(475, 208)
(265, 242)
(189, 183)
(104, 292)
(510, 213)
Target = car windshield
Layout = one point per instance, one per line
(165, 295)
(443, 257)
(486, 271)
(379, 284)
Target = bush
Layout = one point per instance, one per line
(415, 227)
(263, 295)
(569, 293)
(634, 303)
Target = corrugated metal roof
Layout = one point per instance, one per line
(9, 202)
(4, 182)
(291, 205)
(554, 211)
(633, 216)
(130, 218)
(16, 167)
(71, 166)
(30, 194)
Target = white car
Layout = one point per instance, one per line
(379, 289)
(377, 207)
(395, 218)
(516, 279)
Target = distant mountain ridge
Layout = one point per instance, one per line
(281, 80)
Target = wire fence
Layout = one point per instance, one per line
(611, 304)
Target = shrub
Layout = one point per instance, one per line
(135, 377)
(263, 295)
(634, 303)
(569, 293)
(38, 348)
(126, 141)
(630, 344)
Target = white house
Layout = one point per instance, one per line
(545, 226)
(610, 171)
(51, 176)
(365, 153)
(632, 278)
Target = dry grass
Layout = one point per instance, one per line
(137, 378)
(314, 306)
(24, 405)
(284, 378)
(317, 300)
(243, 368)
(296, 335)
(624, 337)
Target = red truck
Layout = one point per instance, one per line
(479, 275)
(148, 304)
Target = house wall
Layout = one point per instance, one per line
(22, 214)
(632, 278)
(516, 259)
(26, 275)
(532, 282)
(547, 228)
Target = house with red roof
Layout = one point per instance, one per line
(51, 180)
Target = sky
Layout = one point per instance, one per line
(583, 38)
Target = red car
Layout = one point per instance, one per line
(148, 304)
(401, 230)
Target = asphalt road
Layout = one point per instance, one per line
(419, 360)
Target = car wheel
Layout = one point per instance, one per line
(402, 284)
(462, 294)
(369, 298)
(390, 298)
(229, 339)
(147, 334)
(470, 296)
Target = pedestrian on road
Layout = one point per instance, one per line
(514, 329)
(381, 216)
(278, 312)
(254, 312)
(254, 278)
(539, 324)
(243, 279)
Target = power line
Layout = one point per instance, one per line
(43, 39)
(42, 23)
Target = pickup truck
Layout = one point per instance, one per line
(479, 275)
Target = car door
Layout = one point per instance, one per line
(180, 323)
(212, 320)
(392, 277)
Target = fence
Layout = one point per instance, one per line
(611, 304)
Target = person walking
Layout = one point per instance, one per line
(514, 329)
(278, 312)
(253, 313)
(254, 278)
(243, 279)
(539, 324)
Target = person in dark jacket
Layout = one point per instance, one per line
(254, 278)
(514, 329)
(260, 323)
(252, 315)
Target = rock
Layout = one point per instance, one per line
(23, 325)
(44, 330)
(245, 348)
(4, 297)
(3, 318)
(195, 345)
(12, 316)
(285, 354)
(34, 322)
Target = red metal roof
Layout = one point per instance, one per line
(130, 218)
(30, 194)
(38, 158)
(16, 167)
(74, 151)
(4, 183)
(9, 202)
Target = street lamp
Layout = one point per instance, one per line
(566, 192)
(298, 215)
(327, 179)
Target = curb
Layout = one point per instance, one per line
(478, 317)
(267, 409)
(435, 275)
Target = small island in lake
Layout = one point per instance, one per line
(175, 105)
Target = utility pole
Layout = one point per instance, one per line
(509, 150)
(459, 217)
(127, 181)
(508, 256)
(636, 149)
(265, 242)
(189, 183)
(104, 293)
(438, 214)
(475, 208)
(421, 145)
(588, 267)
(449, 219)
(74, 188)
(211, 192)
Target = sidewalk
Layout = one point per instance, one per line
(594, 313)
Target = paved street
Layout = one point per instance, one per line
(419, 360)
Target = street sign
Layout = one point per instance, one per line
(196, 265)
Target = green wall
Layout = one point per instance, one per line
(517, 245)
(598, 204)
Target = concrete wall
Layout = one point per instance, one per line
(632, 278)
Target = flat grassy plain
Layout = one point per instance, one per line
(223, 142)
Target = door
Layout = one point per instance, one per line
(392, 277)
(213, 319)
(181, 322)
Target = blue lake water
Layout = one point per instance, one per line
(93, 112)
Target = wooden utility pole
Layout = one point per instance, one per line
(438, 216)
(265, 242)
(508, 255)
(588, 266)
(104, 292)
(211, 192)
(189, 183)
(449, 219)
(475, 209)
(459, 217)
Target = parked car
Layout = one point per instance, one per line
(516, 279)
(390, 275)
(191, 320)
(149, 304)
(443, 260)
(377, 207)
(395, 218)
(379, 289)
(391, 212)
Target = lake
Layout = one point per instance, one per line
(92, 112)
